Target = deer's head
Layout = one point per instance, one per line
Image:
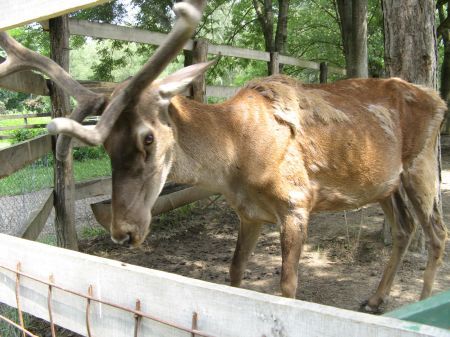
(141, 148)
(135, 125)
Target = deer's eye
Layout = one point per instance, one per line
(148, 139)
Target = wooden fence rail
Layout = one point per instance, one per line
(116, 32)
(17, 156)
(92, 295)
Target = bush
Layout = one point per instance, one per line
(83, 153)
(21, 135)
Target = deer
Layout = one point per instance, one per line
(278, 151)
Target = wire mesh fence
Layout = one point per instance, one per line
(19, 329)
(25, 190)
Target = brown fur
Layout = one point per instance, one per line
(280, 150)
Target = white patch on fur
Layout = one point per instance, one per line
(384, 116)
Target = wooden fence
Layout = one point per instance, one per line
(100, 297)
(27, 125)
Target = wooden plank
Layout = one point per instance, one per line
(239, 52)
(17, 156)
(99, 87)
(164, 203)
(21, 116)
(16, 13)
(221, 91)
(93, 188)
(222, 311)
(24, 126)
(116, 32)
(25, 81)
(31, 229)
(299, 63)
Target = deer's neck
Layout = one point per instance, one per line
(204, 145)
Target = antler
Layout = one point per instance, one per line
(188, 16)
(20, 58)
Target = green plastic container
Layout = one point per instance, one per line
(433, 311)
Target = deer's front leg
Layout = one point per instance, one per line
(247, 237)
(293, 235)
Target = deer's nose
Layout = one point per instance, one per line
(124, 239)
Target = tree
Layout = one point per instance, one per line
(266, 16)
(410, 52)
(443, 31)
(353, 24)
(410, 41)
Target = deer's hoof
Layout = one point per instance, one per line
(369, 309)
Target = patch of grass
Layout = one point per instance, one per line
(40, 175)
(174, 217)
(7, 330)
(48, 239)
(92, 232)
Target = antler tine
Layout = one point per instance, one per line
(21, 58)
(188, 16)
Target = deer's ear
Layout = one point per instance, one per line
(180, 80)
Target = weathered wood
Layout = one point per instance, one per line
(16, 13)
(172, 298)
(299, 63)
(115, 32)
(14, 116)
(274, 63)
(31, 229)
(199, 55)
(25, 81)
(323, 76)
(93, 188)
(17, 156)
(164, 203)
(99, 87)
(221, 91)
(23, 126)
(109, 31)
(66, 234)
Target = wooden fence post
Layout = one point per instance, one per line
(274, 63)
(323, 72)
(199, 54)
(64, 200)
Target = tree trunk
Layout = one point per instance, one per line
(445, 69)
(346, 25)
(410, 51)
(281, 34)
(274, 45)
(410, 40)
(353, 25)
(66, 234)
(359, 38)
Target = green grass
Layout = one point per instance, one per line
(38, 176)
(20, 121)
(7, 330)
(90, 232)
(15, 122)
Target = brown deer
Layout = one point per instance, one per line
(278, 151)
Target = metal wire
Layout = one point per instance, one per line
(49, 305)
(19, 310)
(111, 304)
(17, 326)
(88, 311)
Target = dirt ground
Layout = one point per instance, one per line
(341, 264)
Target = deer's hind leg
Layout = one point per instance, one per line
(248, 236)
(402, 225)
(421, 183)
